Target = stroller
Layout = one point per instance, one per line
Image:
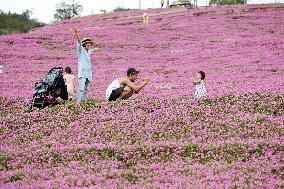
(48, 90)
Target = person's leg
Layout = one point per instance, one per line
(127, 93)
(81, 88)
(87, 87)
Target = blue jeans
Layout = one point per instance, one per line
(83, 88)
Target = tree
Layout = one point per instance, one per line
(27, 14)
(17, 23)
(66, 11)
(226, 2)
(121, 9)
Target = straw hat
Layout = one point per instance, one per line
(87, 40)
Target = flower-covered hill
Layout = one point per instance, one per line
(161, 138)
(230, 141)
(239, 48)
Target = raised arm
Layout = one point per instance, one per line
(134, 88)
(75, 29)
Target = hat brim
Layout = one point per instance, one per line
(91, 42)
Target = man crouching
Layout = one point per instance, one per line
(123, 88)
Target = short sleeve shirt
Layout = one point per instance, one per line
(84, 62)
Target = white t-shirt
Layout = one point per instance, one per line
(114, 85)
(69, 81)
(200, 90)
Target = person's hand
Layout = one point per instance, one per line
(59, 100)
(95, 49)
(146, 80)
(75, 29)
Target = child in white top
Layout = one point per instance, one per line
(69, 79)
(1, 67)
(198, 81)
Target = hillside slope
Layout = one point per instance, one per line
(161, 138)
(240, 51)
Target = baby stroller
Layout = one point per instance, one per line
(49, 89)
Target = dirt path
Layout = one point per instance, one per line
(200, 10)
(197, 12)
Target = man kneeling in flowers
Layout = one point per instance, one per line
(123, 88)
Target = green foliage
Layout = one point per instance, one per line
(17, 23)
(130, 177)
(226, 2)
(231, 2)
(105, 153)
(121, 9)
(15, 178)
(66, 11)
(4, 163)
(189, 150)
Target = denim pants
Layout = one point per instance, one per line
(83, 88)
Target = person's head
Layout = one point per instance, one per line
(132, 74)
(87, 43)
(201, 75)
(68, 70)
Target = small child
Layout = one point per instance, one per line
(199, 84)
(69, 79)
(145, 18)
(1, 67)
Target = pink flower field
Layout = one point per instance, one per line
(160, 138)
